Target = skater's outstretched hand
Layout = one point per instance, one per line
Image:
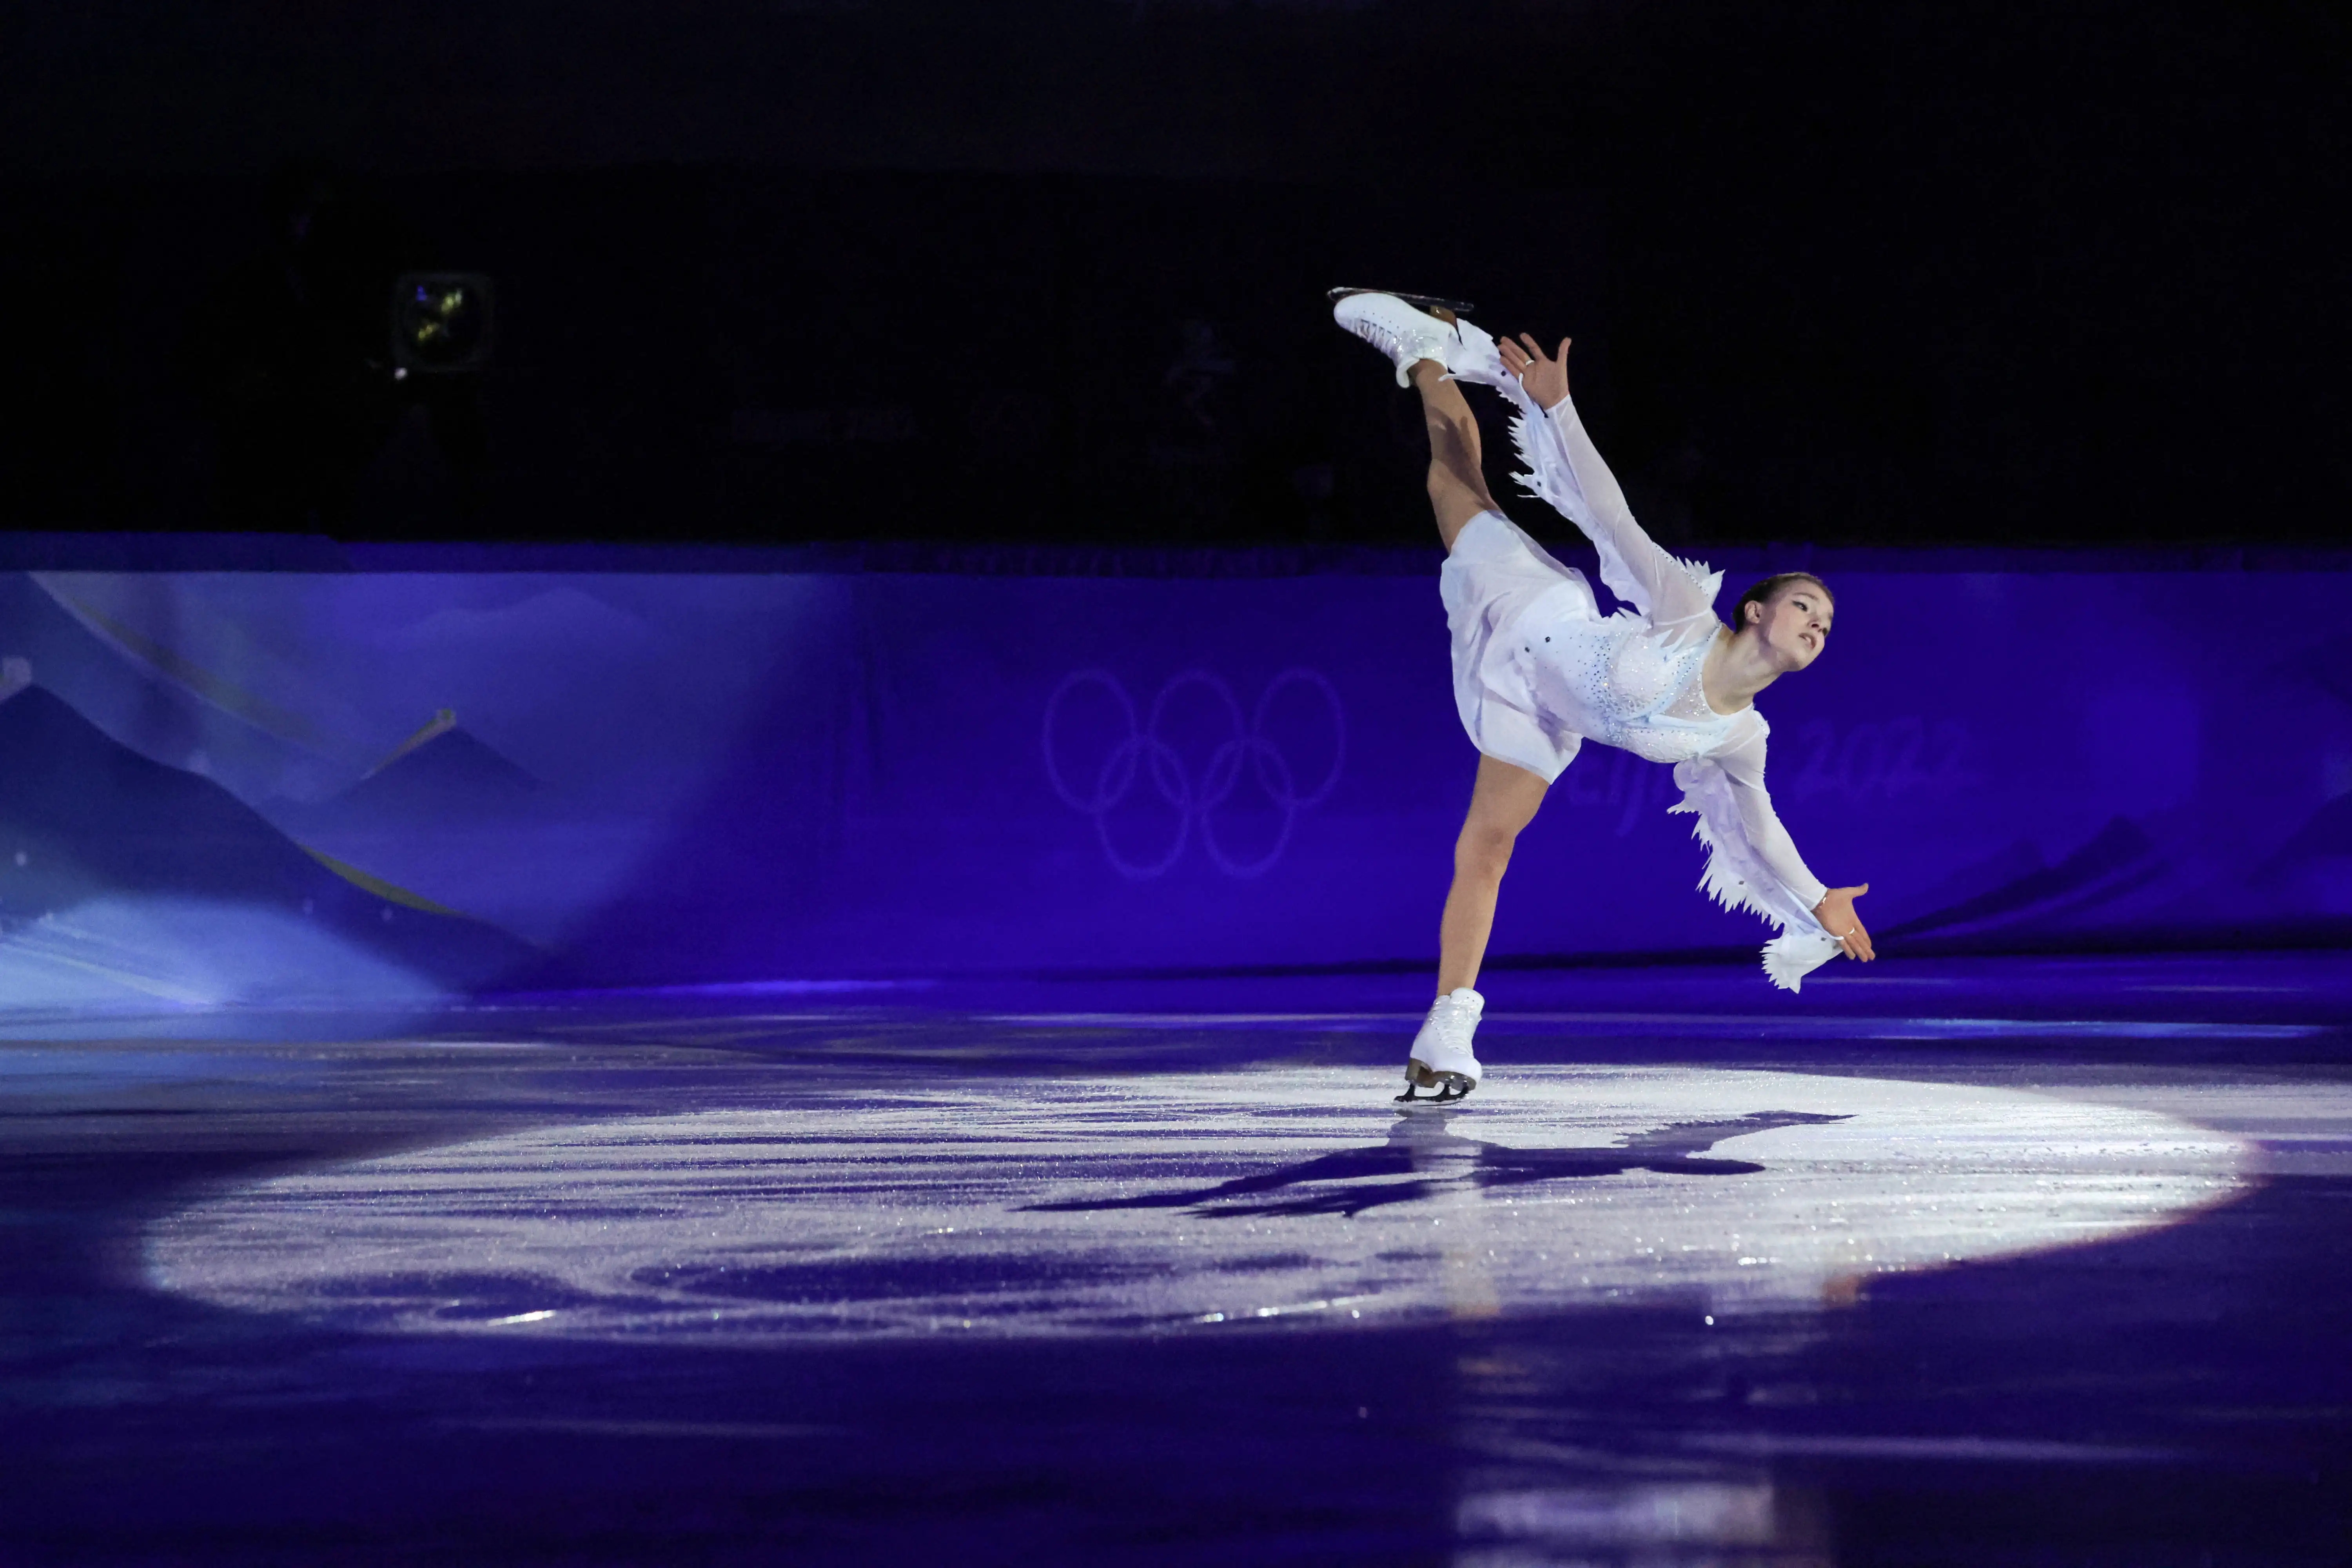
(1545, 379)
(1836, 911)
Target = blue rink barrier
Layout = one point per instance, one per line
(374, 773)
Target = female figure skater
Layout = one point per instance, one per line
(1538, 669)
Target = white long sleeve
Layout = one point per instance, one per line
(1744, 766)
(1565, 470)
(1676, 596)
(1751, 862)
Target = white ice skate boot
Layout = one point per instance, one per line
(1400, 329)
(1441, 1058)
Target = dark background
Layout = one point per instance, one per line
(1884, 273)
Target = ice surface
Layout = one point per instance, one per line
(1196, 1204)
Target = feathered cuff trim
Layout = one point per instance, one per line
(1736, 878)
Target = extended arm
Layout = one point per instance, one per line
(1834, 907)
(1568, 472)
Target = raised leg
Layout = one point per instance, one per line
(1457, 484)
(1502, 802)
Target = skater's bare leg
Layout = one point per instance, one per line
(1457, 484)
(1502, 803)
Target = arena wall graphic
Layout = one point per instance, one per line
(246, 787)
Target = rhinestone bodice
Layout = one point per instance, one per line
(1623, 682)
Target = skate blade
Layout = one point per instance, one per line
(1432, 304)
(1450, 1085)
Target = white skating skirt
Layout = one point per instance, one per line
(1496, 576)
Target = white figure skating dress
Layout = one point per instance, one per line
(1538, 669)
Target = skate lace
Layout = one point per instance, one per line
(1454, 1022)
(1382, 335)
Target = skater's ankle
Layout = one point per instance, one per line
(1425, 373)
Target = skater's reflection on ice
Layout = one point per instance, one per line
(1424, 1156)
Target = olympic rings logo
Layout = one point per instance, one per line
(1142, 752)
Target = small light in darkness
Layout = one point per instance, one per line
(440, 321)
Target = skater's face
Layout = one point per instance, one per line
(1795, 624)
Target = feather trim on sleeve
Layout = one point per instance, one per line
(1737, 879)
(1551, 479)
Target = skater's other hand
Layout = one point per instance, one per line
(1836, 911)
(1545, 379)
